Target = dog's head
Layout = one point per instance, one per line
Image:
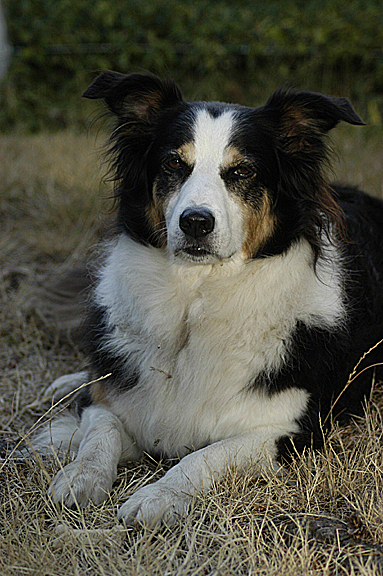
(211, 180)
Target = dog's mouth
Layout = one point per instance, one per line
(197, 251)
(194, 253)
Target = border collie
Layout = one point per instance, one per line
(236, 296)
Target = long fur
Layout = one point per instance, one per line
(238, 293)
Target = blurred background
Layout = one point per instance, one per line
(228, 50)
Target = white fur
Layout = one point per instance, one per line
(65, 385)
(213, 329)
(206, 189)
(199, 334)
(102, 442)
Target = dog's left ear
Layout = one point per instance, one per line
(137, 97)
(302, 117)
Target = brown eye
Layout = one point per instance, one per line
(174, 164)
(243, 171)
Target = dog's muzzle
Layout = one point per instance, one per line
(197, 224)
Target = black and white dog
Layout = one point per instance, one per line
(237, 295)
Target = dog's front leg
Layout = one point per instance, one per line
(170, 497)
(91, 475)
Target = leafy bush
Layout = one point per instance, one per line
(216, 50)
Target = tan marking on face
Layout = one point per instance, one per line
(98, 392)
(259, 225)
(156, 215)
(157, 218)
(232, 157)
(157, 209)
(187, 153)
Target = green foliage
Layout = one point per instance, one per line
(215, 49)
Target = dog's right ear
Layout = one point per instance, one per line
(141, 96)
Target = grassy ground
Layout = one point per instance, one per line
(324, 517)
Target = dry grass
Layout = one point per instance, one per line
(325, 516)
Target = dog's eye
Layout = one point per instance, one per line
(174, 164)
(243, 171)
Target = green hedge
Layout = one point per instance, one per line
(216, 50)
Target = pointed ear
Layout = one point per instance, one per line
(140, 95)
(303, 117)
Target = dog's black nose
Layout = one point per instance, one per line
(196, 223)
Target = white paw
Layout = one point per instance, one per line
(64, 385)
(154, 504)
(80, 482)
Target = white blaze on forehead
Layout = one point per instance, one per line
(212, 137)
(208, 152)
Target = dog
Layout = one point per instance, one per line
(237, 293)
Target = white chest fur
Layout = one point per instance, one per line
(199, 334)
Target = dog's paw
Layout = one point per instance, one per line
(64, 385)
(80, 482)
(154, 504)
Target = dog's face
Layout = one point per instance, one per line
(194, 187)
(211, 180)
(207, 189)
